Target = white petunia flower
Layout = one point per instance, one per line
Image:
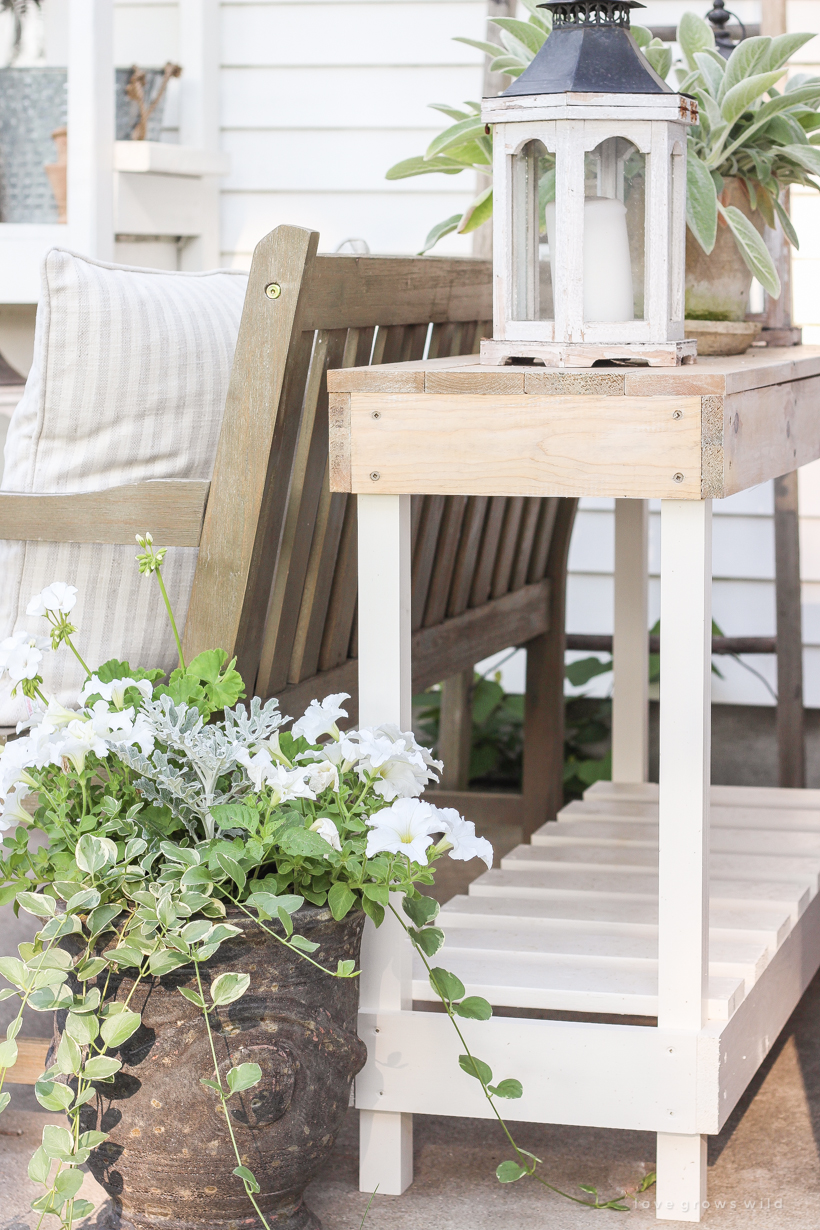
(405, 828)
(118, 726)
(393, 762)
(35, 751)
(327, 830)
(322, 776)
(320, 718)
(80, 740)
(460, 837)
(57, 598)
(14, 812)
(342, 754)
(21, 655)
(283, 783)
(114, 692)
(57, 716)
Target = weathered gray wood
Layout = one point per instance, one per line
(791, 750)
(171, 509)
(483, 576)
(465, 564)
(543, 778)
(236, 555)
(455, 730)
(507, 545)
(342, 603)
(424, 554)
(448, 542)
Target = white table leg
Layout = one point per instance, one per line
(685, 727)
(630, 652)
(385, 691)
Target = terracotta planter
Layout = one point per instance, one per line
(168, 1160)
(717, 286)
(57, 171)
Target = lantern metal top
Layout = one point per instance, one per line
(590, 51)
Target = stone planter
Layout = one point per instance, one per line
(168, 1160)
(717, 286)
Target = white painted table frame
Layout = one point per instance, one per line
(582, 1073)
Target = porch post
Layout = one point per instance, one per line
(385, 1139)
(683, 907)
(630, 650)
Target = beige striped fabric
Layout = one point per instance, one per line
(129, 381)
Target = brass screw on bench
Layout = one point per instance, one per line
(375, 475)
(273, 290)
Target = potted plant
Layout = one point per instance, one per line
(752, 141)
(202, 893)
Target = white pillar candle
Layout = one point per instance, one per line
(607, 267)
(607, 264)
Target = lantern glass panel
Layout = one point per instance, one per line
(615, 190)
(533, 185)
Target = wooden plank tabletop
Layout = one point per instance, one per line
(455, 427)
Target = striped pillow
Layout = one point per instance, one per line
(129, 381)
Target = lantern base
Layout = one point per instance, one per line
(585, 354)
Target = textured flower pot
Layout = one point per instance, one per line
(168, 1159)
(717, 285)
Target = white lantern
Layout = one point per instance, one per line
(589, 200)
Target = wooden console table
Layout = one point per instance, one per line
(629, 905)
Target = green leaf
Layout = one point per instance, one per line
(753, 250)
(476, 1068)
(68, 1183)
(409, 167)
(373, 910)
(453, 113)
(93, 853)
(439, 231)
(303, 944)
(5, 1098)
(344, 969)
(193, 996)
(377, 892)
(117, 1028)
(659, 57)
(510, 1088)
(101, 918)
(510, 1172)
(90, 1140)
(526, 33)
(37, 904)
(474, 1008)
(247, 1177)
(446, 984)
(421, 910)
(244, 1077)
(742, 95)
(180, 854)
(301, 843)
(694, 34)
(83, 1029)
(14, 971)
(781, 49)
(100, 1067)
(40, 1165)
(745, 57)
(477, 212)
(8, 1053)
(456, 134)
(89, 969)
(580, 672)
(430, 940)
(489, 49)
(701, 203)
(271, 903)
(57, 1142)
(69, 1057)
(196, 875)
(641, 35)
(806, 156)
(229, 987)
(341, 900)
(52, 1095)
(124, 954)
(211, 1085)
(786, 223)
(9, 891)
(512, 65)
(84, 900)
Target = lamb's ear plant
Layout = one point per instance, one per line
(163, 805)
(753, 125)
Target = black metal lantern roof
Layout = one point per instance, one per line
(590, 51)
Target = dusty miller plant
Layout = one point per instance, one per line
(165, 803)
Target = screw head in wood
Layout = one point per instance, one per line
(375, 475)
(677, 414)
(376, 414)
(273, 290)
(678, 477)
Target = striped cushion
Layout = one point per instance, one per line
(129, 380)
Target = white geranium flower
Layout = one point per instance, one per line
(21, 655)
(14, 812)
(114, 692)
(118, 726)
(327, 830)
(322, 776)
(35, 751)
(58, 598)
(460, 837)
(79, 741)
(320, 718)
(393, 762)
(405, 828)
